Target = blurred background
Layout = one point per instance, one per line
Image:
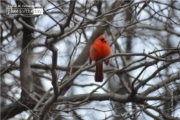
(45, 70)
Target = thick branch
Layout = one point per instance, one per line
(50, 46)
(114, 97)
(161, 84)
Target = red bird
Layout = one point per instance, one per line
(99, 50)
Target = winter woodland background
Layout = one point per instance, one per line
(45, 70)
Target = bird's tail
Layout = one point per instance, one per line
(99, 72)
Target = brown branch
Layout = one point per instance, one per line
(152, 76)
(134, 91)
(25, 73)
(164, 115)
(34, 29)
(15, 108)
(161, 84)
(114, 97)
(54, 65)
(50, 46)
(146, 55)
(66, 24)
(46, 67)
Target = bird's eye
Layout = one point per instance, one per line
(103, 40)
